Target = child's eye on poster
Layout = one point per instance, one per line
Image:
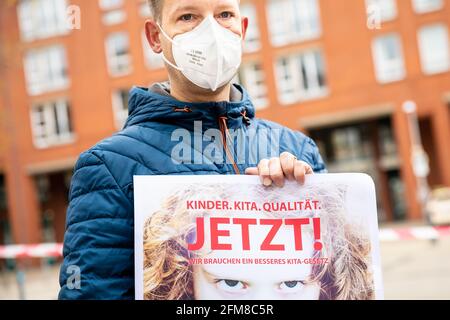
(291, 286)
(196, 240)
(239, 287)
(231, 286)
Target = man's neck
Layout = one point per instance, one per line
(196, 95)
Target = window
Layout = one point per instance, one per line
(51, 124)
(3, 197)
(152, 59)
(434, 49)
(43, 187)
(349, 144)
(301, 77)
(252, 39)
(423, 6)
(144, 9)
(114, 14)
(114, 17)
(117, 50)
(110, 4)
(46, 69)
(39, 19)
(385, 9)
(120, 107)
(388, 58)
(293, 21)
(386, 140)
(252, 77)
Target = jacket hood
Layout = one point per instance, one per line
(146, 105)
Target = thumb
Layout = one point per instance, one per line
(252, 171)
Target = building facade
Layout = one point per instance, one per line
(338, 70)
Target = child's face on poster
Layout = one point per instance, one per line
(257, 281)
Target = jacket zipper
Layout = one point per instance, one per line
(226, 135)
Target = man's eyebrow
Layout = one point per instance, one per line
(185, 8)
(227, 6)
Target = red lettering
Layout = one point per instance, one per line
(216, 233)
(245, 223)
(297, 224)
(200, 235)
(267, 243)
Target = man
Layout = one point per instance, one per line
(201, 42)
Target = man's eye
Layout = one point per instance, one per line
(187, 17)
(291, 286)
(231, 285)
(226, 15)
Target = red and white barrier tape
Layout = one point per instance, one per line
(54, 250)
(43, 250)
(414, 233)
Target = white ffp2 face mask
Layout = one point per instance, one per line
(209, 55)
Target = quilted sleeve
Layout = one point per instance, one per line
(98, 244)
(310, 153)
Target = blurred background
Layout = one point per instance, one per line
(369, 80)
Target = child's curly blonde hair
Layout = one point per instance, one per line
(169, 276)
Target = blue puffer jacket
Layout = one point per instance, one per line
(99, 238)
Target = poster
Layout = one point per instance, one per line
(231, 238)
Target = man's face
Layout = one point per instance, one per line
(181, 16)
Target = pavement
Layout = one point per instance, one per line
(40, 284)
(413, 268)
(416, 269)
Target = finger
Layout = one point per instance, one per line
(253, 171)
(300, 172)
(287, 164)
(276, 173)
(309, 169)
(264, 172)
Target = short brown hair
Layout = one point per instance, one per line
(156, 8)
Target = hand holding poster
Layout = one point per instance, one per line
(229, 237)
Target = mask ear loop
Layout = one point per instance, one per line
(173, 43)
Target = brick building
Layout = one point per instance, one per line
(338, 70)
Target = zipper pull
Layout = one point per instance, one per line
(246, 119)
(185, 109)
